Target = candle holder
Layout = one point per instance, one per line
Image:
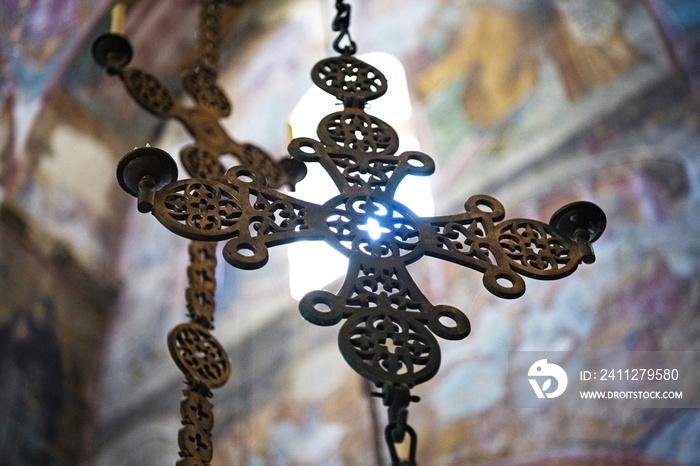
(113, 52)
(144, 171)
(389, 332)
(389, 328)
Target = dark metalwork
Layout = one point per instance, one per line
(388, 334)
(389, 329)
(198, 355)
(397, 398)
(113, 52)
(393, 453)
(194, 438)
(379, 299)
(201, 276)
(582, 222)
(340, 24)
(145, 171)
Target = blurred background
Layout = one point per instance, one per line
(535, 102)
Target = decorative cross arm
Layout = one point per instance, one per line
(389, 324)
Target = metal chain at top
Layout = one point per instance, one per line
(341, 23)
(209, 35)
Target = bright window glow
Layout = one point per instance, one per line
(315, 264)
(374, 229)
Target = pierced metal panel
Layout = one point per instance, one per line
(114, 52)
(199, 355)
(389, 329)
(389, 324)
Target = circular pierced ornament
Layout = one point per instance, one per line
(201, 84)
(199, 355)
(196, 444)
(355, 130)
(347, 77)
(389, 348)
(196, 410)
(201, 163)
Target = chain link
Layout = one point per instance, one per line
(340, 24)
(209, 35)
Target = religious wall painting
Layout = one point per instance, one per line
(676, 439)
(32, 384)
(497, 427)
(563, 66)
(314, 430)
(491, 51)
(48, 358)
(38, 37)
(589, 45)
(609, 433)
(678, 22)
(140, 326)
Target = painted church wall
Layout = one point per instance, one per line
(535, 103)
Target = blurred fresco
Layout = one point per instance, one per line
(537, 103)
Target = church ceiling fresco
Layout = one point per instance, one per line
(537, 103)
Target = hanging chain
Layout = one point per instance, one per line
(209, 36)
(196, 351)
(397, 398)
(341, 23)
(396, 459)
(202, 282)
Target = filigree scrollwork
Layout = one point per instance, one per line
(202, 282)
(273, 215)
(372, 174)
(389, 331)
(534, 250)
(199, 355)
(277, 174)
(209, 36)
(354, 129)
(200, 83)
(194, 438)
(389, 328)
(385, 337)
(149, 92)
(354, 221)
(204, 208)
(197, 410)
(202, 119)
(501, 250)
(389, 347)
(201, 163)
(196, 444)
(347, 77)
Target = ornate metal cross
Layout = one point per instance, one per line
(389, 328)
(113, 52)
(388, 333)
(193, 348)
